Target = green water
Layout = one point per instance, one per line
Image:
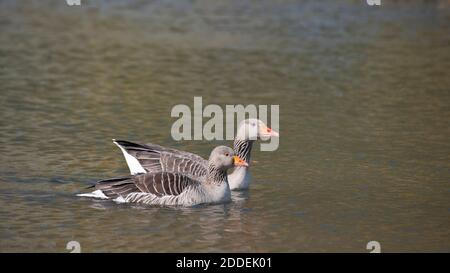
(364, 95)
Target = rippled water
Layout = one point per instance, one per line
(364, 97)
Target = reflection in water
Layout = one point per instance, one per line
(363, 96)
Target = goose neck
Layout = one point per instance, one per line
(216, 175)
(243, 148)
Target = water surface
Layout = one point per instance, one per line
(364, 97)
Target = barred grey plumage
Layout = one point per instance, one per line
(155, 158)
(166, 187)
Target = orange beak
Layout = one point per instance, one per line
(239, 162)
(268, 132)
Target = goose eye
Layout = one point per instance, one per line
(227, 154)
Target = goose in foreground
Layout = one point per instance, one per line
(174, 188)
(143, 158)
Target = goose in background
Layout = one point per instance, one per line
(173, 188)
(150, 158)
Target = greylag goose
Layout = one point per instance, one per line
(173, 188)
(142, 158)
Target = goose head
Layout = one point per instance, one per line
(223, 158)
(253, 129)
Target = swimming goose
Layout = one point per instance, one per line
(142, 158)
(174, 188)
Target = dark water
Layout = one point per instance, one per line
(364, 97)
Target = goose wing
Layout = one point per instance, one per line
(159, 183)
(152, 158)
